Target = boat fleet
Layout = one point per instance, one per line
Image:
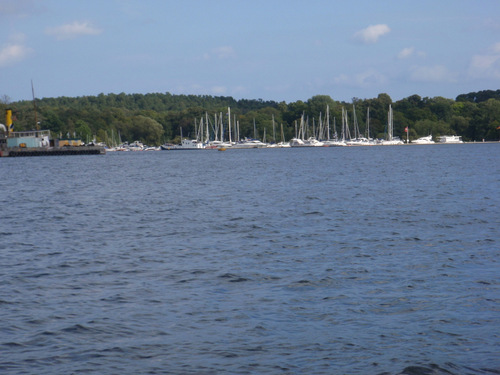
(215, 135)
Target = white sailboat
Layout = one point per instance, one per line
(391, 140)
(335, 141)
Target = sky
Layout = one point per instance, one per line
(281, 50)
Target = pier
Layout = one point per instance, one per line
(52, 151)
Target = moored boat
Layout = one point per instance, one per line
(423, 140)
(186, 144)
(390, 139)
(249, 143)
(450, 139)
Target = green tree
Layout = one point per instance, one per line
(83, 131)
(147, 130)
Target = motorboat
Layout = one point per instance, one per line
(186, 144)
(423, 140)
(450, 139)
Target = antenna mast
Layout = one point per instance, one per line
(34, 105)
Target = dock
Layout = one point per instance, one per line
(52, 151)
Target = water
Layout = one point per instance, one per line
(381, 260)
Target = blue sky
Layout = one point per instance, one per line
(282, 50)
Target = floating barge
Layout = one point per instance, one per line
(52, 151)
(38, 143)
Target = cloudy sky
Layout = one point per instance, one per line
(283, 50)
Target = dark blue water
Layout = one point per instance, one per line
(281, 261)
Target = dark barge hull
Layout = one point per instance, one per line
(53, 151)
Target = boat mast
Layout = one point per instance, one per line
(327, 122)
(229, 126)
(342, 132)
(355, 122)
(389, 124)
(236, 130)
(274, 131)
(221, 124)
(216, 128)
(207, 132)
(368, 123)
(34, 105)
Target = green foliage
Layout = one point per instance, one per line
(159, 117)
(83, 131)
(146, 130)
(436, 128)
(478, 97)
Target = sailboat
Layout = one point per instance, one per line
(390, 138)
(335, 142)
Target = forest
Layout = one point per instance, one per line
(157, 118)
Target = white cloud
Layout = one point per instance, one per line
(369, 78)
(486, 65)
(436, 73)
(221, 53)
(372, 33)
(406, 53)
(218, 90)
(13, 53)
(224, 52)
(73, 30)
(341, 79)
(495, 48)
(482, 63)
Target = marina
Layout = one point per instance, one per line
(214, 136)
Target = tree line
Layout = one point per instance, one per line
(157, 118)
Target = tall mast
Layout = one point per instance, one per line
(221, 124)
(355, 122)
(342, 132)
(235, 126)
(389, 124)
(368, 123)
(207, 133)
(229, 126)
(274, 131)
(327, 122)
(34, 105)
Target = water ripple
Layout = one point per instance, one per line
(325, 261)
